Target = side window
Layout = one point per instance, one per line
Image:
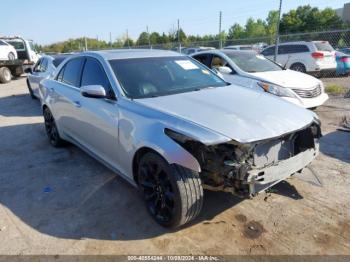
(72, 71)
(44, 64)
(202, 59)
(94, 74)
(284, 49)
(37, 65)
(60, 74)
(2, 42)
(268, 51)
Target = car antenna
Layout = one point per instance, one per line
(285, 65)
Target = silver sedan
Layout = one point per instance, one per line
(171, 127)
(44, 68)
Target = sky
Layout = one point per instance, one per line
(51, 21)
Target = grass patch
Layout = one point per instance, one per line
(335, 89)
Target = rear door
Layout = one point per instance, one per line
(98, 117)
(38, 74)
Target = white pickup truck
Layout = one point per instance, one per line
(26, 57)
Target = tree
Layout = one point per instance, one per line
(307, 19)
(143, 39)
(255, 28)
(236, 32)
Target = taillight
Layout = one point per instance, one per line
(345, 59)
(317, 55)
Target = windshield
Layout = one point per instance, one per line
(252, 63)
(158, 76)
(17, 44)
(324, 46)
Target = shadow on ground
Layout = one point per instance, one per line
(67, 194)
(336, 145)
(19, 105)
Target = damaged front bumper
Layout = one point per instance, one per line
(264, 178)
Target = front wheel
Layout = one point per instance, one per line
(173, 194)
(51, 129)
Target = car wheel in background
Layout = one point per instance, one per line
(11, 56)
(173, 194)
(51, 129)
(30, 90)
(299, 67)
(5, 75)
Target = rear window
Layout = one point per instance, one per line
(324, 46)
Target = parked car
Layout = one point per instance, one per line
(251, 70)
(44, 68)
(7, 51)
(191, 50)
(170, 126)
(239, 47)
(314, 57)
(345, 50)
(343, 63)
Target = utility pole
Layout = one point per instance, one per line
(277, 41)
(85, 43)
(149, 38)
(127, 38)
(110, 39)
(178, 34)
(220, 35)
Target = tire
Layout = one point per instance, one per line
(173, 194)
(31, 93)
(51, 129)
(11, 56)
(5, 75)
(299, 67)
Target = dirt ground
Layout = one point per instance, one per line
(61, 201)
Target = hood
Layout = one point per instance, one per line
(236, 112)
(288, 78)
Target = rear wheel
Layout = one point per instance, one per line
(5, 75)
(173, 194)
(299, 67)
(11, 56)
(51, 129)
(31, 93)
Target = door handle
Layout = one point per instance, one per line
(77, 104)
(51, 89)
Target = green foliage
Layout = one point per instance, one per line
(335, 89)
(307, 19)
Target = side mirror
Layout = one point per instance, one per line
(93, 91)
(28, 70)
(224, 70)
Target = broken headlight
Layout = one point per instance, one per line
(276, 90)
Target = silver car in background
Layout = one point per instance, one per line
(44, 68)
(170, 126)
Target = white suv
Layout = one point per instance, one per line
(313, 57)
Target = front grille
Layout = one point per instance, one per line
(309, 93)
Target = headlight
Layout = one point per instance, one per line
(276, 90)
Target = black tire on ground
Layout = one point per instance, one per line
(173, 194)
(51, 129)
(5, 75)
(11, 56)
(299, 67)
(30, 90)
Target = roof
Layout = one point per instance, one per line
(133, 53)
(225, 51)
